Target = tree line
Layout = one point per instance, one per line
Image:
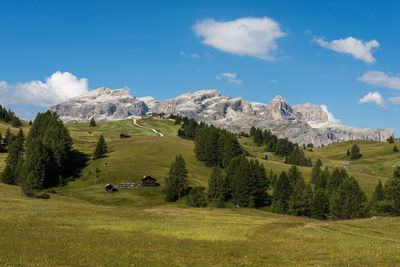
(281, 147)
(9, 116)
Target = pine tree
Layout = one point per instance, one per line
(390, 140)
(252, 131)
(7, 137)
(299, 203)
(322, 179)
(92, 122)
(395, 149)
(355, 152)
(282, 193)
(349, 202)
(196, 197)
(316, 171)
(348, 153)
(391, 203)
(216, 190)
(378, 193)
(320, 204)
(14, 159)
(176, 183)
(101, 148)
(335, 180)
(240, 183)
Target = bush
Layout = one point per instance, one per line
(42, 195)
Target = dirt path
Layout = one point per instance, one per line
(154, 130)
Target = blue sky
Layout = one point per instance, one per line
(298, 49)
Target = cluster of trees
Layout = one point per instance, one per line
(244, 182)
(386, 199)
(333, 195)
(9, 116)
(48, 155)
(189, 127)
(281, 147)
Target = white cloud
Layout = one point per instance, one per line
(249, 36)
(380, 79)
(395, 100)
(331, 118)
(374, 97)
(231, 77)
(59, 86)
(273, 81)
(357, 48)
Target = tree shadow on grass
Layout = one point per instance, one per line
(78, 162)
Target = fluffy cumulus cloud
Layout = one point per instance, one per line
(249, 36)
(374, 97)
(331, 118)
(380, 79)
(352, 46)
(59, 86)
(230, 77)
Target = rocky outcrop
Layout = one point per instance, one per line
(302, 124)
(102, 104)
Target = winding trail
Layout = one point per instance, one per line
(154, 130)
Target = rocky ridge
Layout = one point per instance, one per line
(303, 124)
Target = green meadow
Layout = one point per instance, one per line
(83, 226)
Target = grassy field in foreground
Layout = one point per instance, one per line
(69, 232)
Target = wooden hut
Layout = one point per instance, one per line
(149, 181)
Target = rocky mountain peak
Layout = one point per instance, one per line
(279, 109)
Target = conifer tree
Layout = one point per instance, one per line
(216, 184)
(322, 179)
(282, 193)
(7, 137)
(396, 172)
(378, 193)
(320, 204)
(316, 171)
(355, 152)
(196, 197)
(101, 148)
(299, 203)
(14, 159)
(390, 140)
(395, 149)
(92, 122)
(252, 131)
(176, 183)
(335, 180)
(349, 202)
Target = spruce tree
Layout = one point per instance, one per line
(378, 194)
(7, 137)
(322, 179)
(14, 159)
(335, 180)
(216, 190)
(355, 152)
(390, 140)
(176, 183)
(196, 197)
(349, 202)
(320, 204)
(92, 122)
(252, 131)
(299, 203)
(282, 193)
(316, 171)
(101, 148)
(395, 149)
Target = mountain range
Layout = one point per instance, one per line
(302, 124)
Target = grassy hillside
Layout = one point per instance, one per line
(82, 225)
(378, 160)
(69, 232)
